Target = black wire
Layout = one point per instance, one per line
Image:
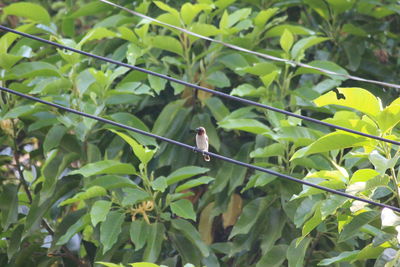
(247, 165)
(200, 87)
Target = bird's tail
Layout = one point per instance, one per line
(206, 157)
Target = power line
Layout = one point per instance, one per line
(163, 76)
(193, 148)
(266, 56)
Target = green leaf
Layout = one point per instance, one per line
(92, 8)
(15, 241)
(94, 191)
(356, 98)
(105, 167)
(294, 29)
(109, 264)
(352, 29)
(238, 15)
(53, 137)
(326, 65)
(264, 15)
(110, 229)
(167, 43)
(166, 117)
(296, 253)
(250, 213)
(133, 196)
(353, 228)
(28, 10)
(247, 125)
(143, 153)
(144, 264)
(96, 34)
(320, 7)
(8, 205)
(311, 223)
(218, 79)
(230, 176)
(73, 229)
(19, 111)
(389, 117)
(260, 69)
(99, 211)
(194, 183)
(55, 164)
(132, 120)
(154, 242)
(38, 210)
(112, 182)
(217, 108)
(167, 8)
(274, 257)
(185, 173)
(190, 11)
(187, 230)
(34, 69)
(346, 256)
(183, 208)
(139, 232)
(203, 29)
(157, 83)
(335, 140)
(305, 43)
(286, 40)
(159, 184)
(276, 149)
(363, 175)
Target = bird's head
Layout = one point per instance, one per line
(200, 130)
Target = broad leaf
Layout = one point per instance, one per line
(110, 229)
(183, 208)
(105, 167)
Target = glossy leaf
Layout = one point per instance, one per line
(143, 153)
(248, 125)
(94, 191)
(112, 182)
(193, 183)
(154, 242)
(28, 10)
(110, 229)
(139, 231)
(105, 167)
(335, 140)
(99, 211)
(356, 98)
(296, 252)
(167, 43)
(185, 173)
(191, 234)
(286, 40)
(183, 208)
(353, 228)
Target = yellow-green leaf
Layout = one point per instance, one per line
(356, 98)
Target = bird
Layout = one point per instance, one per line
(202, 141)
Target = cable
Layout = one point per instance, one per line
(237, 162)
(243, 100)
(238, 48)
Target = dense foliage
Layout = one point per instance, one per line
(74, 191)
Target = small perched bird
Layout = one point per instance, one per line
(202, 141)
